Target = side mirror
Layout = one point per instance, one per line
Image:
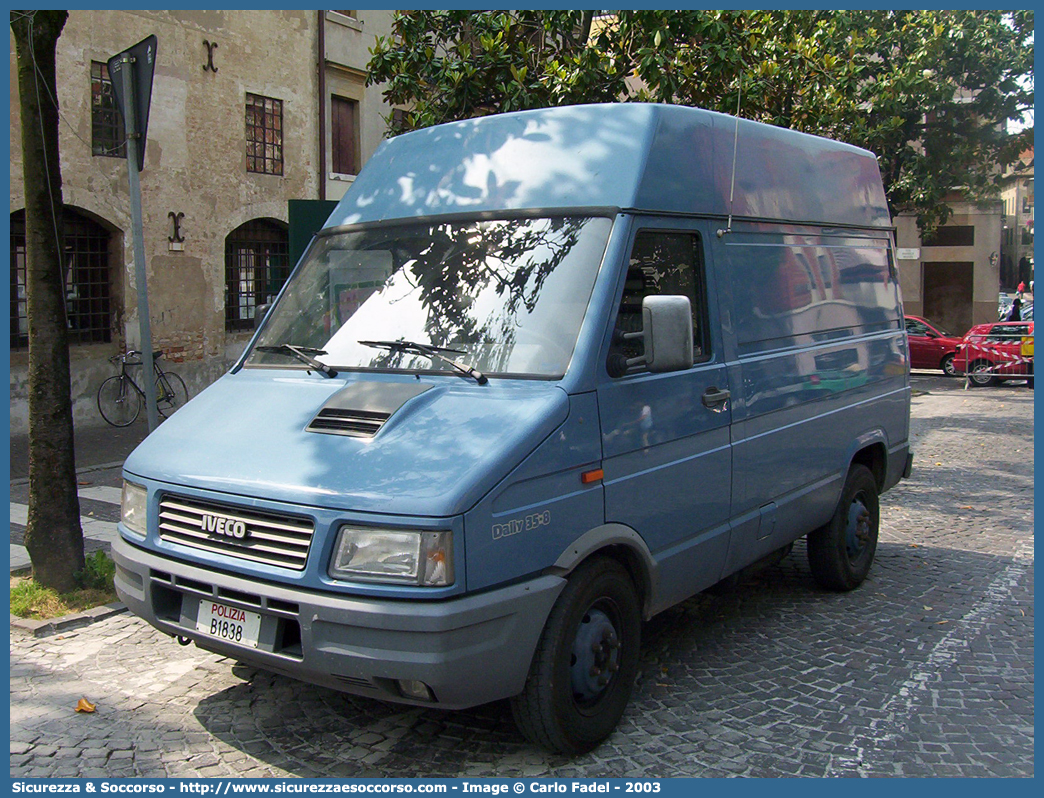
(259, 314)
(666, 334)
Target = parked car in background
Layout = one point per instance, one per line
(1004, 301)
(931, 347)
(993, 353)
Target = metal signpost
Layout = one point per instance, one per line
(131, 73)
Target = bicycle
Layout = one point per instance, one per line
(120, 397)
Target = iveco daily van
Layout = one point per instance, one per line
(541, 376)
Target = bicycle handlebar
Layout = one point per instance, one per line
(130, 353)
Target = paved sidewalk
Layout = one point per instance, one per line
(925, 670)
(95, 447)
(98, 532)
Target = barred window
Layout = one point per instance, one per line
(257, 263)
(264, 134)
(88, 290)
(107, 130)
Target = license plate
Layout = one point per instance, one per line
(228, 623)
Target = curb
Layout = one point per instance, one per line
(86, 469)
(76, 620)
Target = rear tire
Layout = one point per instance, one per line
(840, 554)
(118, 402)
(584, 666)
(171, 393)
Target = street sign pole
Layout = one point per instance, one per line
(147, 369)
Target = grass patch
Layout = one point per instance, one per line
(31, 600)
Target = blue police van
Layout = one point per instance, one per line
(541, 376)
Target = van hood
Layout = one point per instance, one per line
(441, 444)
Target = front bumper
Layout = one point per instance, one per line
(469, 650)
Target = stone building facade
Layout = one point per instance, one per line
(1017, 244)
(952, 277)
(239, 125)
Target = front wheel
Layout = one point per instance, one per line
(840, 554)
(171, 393)
(947, 366)
(584, 666)
(118, 402)
(981, 374)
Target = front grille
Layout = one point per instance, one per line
(269, 538)
(357, 423)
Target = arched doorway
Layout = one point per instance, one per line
(257, 264)
(88, 280)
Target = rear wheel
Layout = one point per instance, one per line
(171, 393)
(840, 554)
(583, 670)
(947, 366)
(981, 374)
(118, 402)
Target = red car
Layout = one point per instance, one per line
(992, 353)
(931, 347)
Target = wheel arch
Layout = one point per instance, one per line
(622, 544)
(872, 452)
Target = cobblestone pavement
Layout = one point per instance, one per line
(926, 670)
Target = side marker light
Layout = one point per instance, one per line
(592, 476)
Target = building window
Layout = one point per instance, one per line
(1027, 204)
(107, 129)
(264, 135)
(256, 266)
(344, 118)
(1027, 237)
(952, 236)
(88, 290)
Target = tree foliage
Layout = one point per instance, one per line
(930, 92)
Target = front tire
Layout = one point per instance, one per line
(947, 366)
(981, 374)
(840, 554)
(584, 666)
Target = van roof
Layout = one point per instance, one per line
(631, 156)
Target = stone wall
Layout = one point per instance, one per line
(195, 165)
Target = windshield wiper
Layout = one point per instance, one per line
(302, 353)
(427, 350)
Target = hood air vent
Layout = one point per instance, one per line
(358, 423)
(361, 409)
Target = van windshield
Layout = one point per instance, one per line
(507, 295)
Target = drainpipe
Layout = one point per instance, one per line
(322, 103)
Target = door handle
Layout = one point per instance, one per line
(715, 399)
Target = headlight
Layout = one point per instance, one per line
(388, 555)
(132, 505)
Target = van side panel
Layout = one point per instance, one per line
(818, 365)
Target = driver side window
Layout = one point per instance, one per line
(915, 328)
(663, 263)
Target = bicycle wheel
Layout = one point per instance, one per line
(118, 402)
(171, 393)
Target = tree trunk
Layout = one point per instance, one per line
(53, 536)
